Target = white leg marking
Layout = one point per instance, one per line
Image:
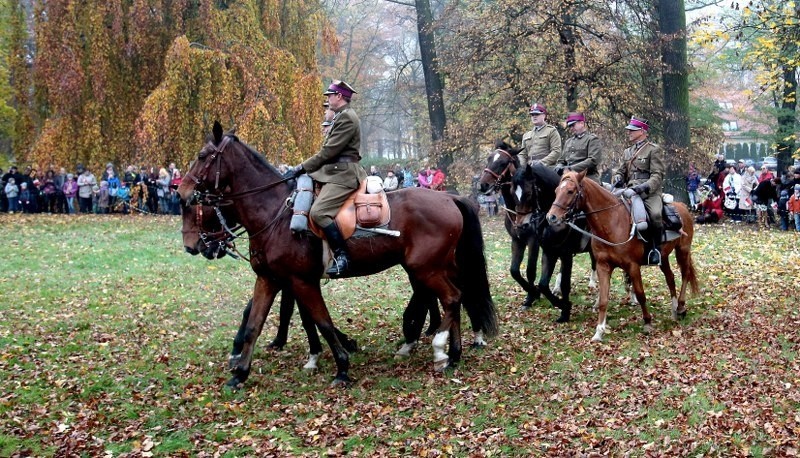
(405, 350)
(596, 304)
(440, 358)
(312, 362)
(557, 286)
(634, 301)
(593, 280)
(598, 334)
(479, 341)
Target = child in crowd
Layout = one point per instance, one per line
(103, 198)
(794, 207)
(12, 195)
(70, 190)
(783, 210)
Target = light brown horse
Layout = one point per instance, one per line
(614, 244)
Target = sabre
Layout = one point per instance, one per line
(378, 230)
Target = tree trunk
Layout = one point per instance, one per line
(672, 29)
(567, 37)
(434, 87)
(786, 118)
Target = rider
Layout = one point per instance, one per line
(540, 141)
(582, 151)
(642, 170)
(336, 166)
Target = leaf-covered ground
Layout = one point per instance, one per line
(113, 343)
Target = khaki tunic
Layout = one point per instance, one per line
(581, 152)
(539, 143)
(336, 164)
(644, 163)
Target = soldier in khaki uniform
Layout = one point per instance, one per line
(336, 166)
(540, 141)
(582, 151)
(642, 170)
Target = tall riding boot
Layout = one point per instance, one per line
(339, 246)
(654, 256)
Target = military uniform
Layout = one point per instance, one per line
(539, 143)
(581, 152)
(644, 163)
(337, 166)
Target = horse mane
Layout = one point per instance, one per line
(258, 156)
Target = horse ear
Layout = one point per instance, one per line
(582, 174)
(217, 131)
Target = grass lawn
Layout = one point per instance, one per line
(113, 342)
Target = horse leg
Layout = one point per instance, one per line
(566, 287)
(685, 265)
(414, 316)
(669, 275)
(309, 297)
(450, 297)
(517, 255)
(593, 275)
(287, 309)
(638, 290)
(548, 267)
(604, 276)
(238, 340)
(530, 270)
(264, 294)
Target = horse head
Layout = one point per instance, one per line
(207, 229)
(567, 200)
(534, 192)
(501, 165)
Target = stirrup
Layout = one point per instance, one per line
(654, 257)
(338, 267)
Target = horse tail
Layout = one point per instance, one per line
(472, 276)
(691, 275)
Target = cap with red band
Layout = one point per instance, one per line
(637, 124)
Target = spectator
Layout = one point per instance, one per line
(163, 191)
(49, 192)
(12, 195)
(173, 188)
(763, 196)
(423, 180)
(151, 182)
(731, 187)
(711, 209)
(400, 174)
(716, 169)
(26, 198)
(390, 182)
(86, 181)
(123, 198)
(103, 198)
(766, 174)
(61, 201)
(741, 167)
(70, 190)
(113, 187)
(490, 200)
(3, 199)
(788, 184)
(408, 178)
(437, 182)
(749, 183)
(794, 207)
(783, 210)
(692, 183)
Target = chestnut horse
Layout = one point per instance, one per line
(615, 245)
(440, 246)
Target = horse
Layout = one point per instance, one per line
(207, 230)
(440, 247)
(614, 244)
(501, 167)
(535, 187)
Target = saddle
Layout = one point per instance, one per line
(360, 210)
(671, 219)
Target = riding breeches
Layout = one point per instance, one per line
(328, 202)
(654, 205)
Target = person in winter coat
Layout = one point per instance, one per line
(692, 183)
(12, 195)
(711, 209)
(794, 207)
(70, 190)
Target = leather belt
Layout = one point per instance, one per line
(641, 176)
(346, 159)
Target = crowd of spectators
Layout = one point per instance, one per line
(739, 192)
(57, 191)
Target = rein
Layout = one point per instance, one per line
(509, 169)
(570, 216)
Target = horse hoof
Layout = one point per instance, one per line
(478, 345)
(525, 308)
(682, 314)
(647, 329)
(277, 344)
(341, 381)
(563, 319)
(234, 384)
(441, 365)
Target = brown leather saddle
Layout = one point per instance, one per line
(360, 209)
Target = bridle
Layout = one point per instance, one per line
(226, 236)
(570, 210)
(508, 171)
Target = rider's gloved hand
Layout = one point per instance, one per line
(559, 169)
(295, 171)
(617, 182)
(641, 188)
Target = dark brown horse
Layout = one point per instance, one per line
(615, 245)
(212, 231)
(440, 246)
